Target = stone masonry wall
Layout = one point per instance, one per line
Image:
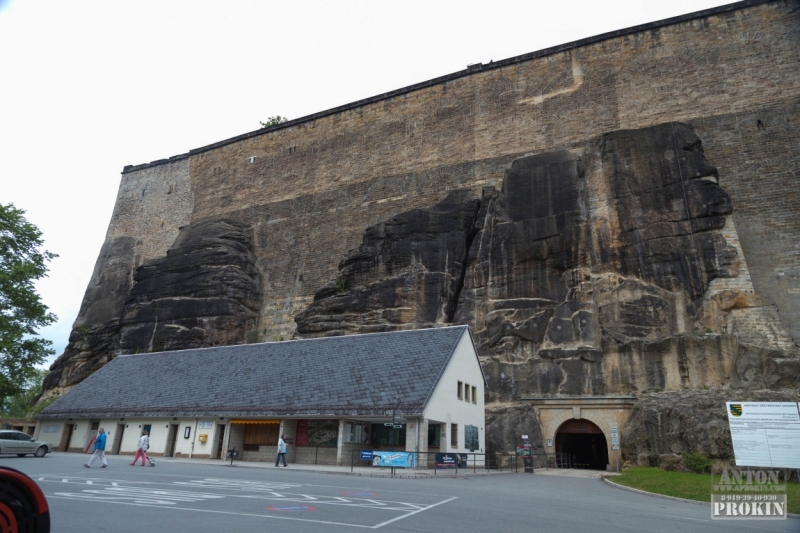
(312, 188)
(308, 189)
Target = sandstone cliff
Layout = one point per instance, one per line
(595, 271)
(205, 292)
(611, 268)
(593, 251)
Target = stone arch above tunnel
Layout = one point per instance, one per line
(601, 412)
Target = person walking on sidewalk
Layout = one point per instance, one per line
(99, 450)
(281, 450)
(141, 448)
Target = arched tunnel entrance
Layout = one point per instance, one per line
(584, 442)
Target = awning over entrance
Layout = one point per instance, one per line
(245, 421)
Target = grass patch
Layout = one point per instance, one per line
(686, 485)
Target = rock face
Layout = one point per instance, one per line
(608, 269)
(406, 273)
(205, 292)
(586, 260)
(664, 425)
(592, 272)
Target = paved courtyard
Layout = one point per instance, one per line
(200, 496)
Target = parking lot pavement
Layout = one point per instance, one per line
(177, 496)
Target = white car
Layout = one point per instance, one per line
(13, 441)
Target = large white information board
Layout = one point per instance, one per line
(765, 433)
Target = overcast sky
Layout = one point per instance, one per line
(87, 87)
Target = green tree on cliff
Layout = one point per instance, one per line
(273, 121)
(21, 310)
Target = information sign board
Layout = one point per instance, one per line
(394, 459)
(451, 460)
(366, 455)
(614, 438)
(765, 433)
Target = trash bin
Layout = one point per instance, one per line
(528, 461)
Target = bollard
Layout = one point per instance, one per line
(233, 454)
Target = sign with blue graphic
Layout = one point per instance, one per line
(394, 459)
(366, 455)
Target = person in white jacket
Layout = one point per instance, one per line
(141, 448)
(281, 450)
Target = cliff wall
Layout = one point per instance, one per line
(289, 203)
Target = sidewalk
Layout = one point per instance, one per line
(400, 472)
(367, 471)
(345, 470)
(575, 472)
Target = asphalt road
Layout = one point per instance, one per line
(176, 497)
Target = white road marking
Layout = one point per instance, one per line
(234, 484)
(412, 513)
(238, 514)
(140, 495)
(363, 503)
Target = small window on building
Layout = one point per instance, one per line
(466, 392)
(356, 432)
(387, 436)
(460, 390)
(474, 394)
(256, 435)
(454, 435)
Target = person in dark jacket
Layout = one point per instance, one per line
(99, 449)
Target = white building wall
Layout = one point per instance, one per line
(81, 435)
(51, 437)
(444, 405)
(183, 446)
(159, 429)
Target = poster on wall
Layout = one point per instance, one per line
(765, 433)
(301, 435)
(323, 433)
(471, 438)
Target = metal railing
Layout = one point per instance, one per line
(433, 462)
(463, 463)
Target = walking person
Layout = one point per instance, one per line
(141, 448)
(281, 450)
(99, 449)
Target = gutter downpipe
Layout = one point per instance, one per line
(194, 438)
(416, 428)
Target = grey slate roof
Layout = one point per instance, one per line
(354, 374)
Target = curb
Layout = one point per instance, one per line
(265, 465)
(665, 497)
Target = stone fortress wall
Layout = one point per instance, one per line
(316, 183)
(303, 193)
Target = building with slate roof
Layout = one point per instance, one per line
(418, 390)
